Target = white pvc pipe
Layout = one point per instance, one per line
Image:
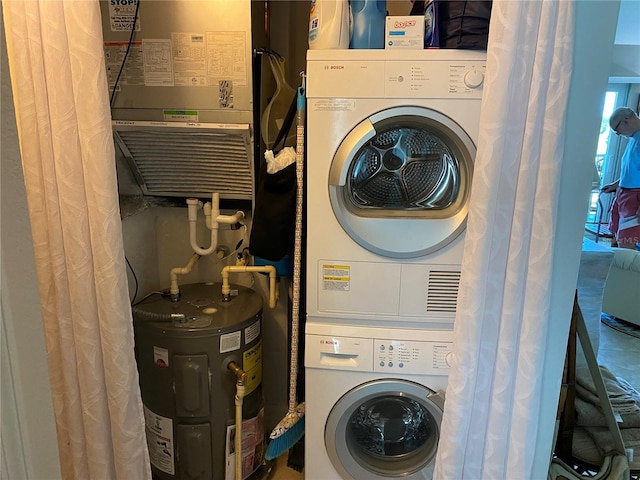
(240, 389)
(270, 269)
(212, 220)
(175, 290)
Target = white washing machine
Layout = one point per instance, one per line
(374, 401)
(391, 141)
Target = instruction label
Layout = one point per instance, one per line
(252, 448)
(189, 59)
(252, 364)
(251, 332)
(336, 278)
(133, 74)
(334, 105)
(158, 67)
(226, 57)
(159, 432)
(230, 342)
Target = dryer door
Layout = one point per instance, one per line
(400, 181)
(384, 429)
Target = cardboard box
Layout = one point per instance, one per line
(404, 32)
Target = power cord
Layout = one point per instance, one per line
(126, 54)
(113, 96)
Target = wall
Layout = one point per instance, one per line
(625, 63)
(29, 444)
(625, 58)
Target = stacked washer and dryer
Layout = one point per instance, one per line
(391, 141)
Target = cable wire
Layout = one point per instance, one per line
(126, 54)
(135, 280)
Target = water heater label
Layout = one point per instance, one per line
(252, 448)
(159, 432)
(252, 364)
(251, 332)
(230, 342)
(161, 357)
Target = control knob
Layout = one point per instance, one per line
(473, 79)
(447, 358)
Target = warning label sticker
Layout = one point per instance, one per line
(133, 74)
(121, 15)
(161, 357)
(252, 364)
(251, 332)
(159, 432)
(336, 277)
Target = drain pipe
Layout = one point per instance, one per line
(241, 379)
(212, 220)
(270, 269)
(175, 290)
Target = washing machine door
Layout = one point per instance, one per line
(400, 181)
(384, 429)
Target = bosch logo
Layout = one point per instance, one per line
(334, 67)
(328, 342)
(404, 24)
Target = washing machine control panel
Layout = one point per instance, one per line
(411, 357)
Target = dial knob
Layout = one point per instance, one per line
(473, 79)
(447, 359)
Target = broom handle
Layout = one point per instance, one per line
(297, 251)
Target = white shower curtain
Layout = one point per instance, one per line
(63, 117)
(490, 426)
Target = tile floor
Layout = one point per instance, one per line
(617, 351)
(620, 353)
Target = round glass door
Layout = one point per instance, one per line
(404, 169)
(385, 429)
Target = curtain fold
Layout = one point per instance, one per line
(64, 125)
(490, 425)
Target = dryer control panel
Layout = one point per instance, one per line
(448, 79)
(421, 74)
(411, 357)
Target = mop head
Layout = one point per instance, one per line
(286, 433)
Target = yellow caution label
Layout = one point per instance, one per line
(252, 365)
(336, 277)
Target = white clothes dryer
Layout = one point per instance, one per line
(391, 141)
(374, 401)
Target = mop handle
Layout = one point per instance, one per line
(297, 249)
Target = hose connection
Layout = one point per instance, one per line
(240, 374)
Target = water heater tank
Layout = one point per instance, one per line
(183, 350)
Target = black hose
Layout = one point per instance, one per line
(144, 315)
